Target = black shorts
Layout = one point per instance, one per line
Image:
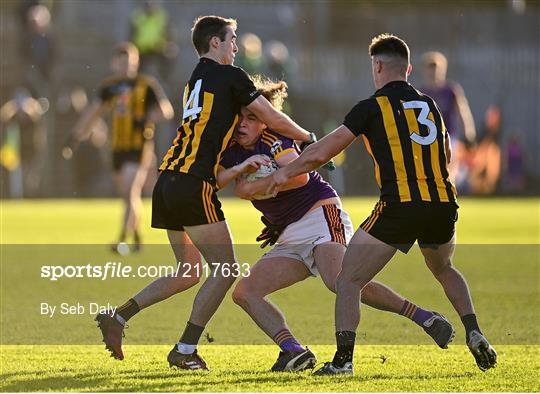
(181, 199)
(119, 158)
(401, 224)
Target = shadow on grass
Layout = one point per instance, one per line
(176, 380)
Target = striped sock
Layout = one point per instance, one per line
(415, 313)
(287, 342)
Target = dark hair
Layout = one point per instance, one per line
(274, 92)
(127, 49)
(206, 27)
(389, 44)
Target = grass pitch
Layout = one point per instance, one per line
(499, 253)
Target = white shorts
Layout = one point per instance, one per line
(299, 239)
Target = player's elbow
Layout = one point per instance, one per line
(301, 180)
(167, 110)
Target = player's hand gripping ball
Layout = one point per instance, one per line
(262, 172)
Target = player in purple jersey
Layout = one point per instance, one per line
(310, 230)
(455, 110)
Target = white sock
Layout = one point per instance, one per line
(120, 319)
(184, 348)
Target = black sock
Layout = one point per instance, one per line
(122, 236)
(345, 348)
(128, 310)
(191, 334)
(470, 323)
(136, 237)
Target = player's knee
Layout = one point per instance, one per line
(240, 294)
(440, 267)
(368, 291)
(243, 293)
(347, 278)
(331, 286)
(185, 282)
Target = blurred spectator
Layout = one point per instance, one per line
(486, 157)
(279, 66)
(249, 55)
(150, 32)
(515, 177)
(22, 144)
(89, 180)
(278, 63)
(453, 104)
(38, 50)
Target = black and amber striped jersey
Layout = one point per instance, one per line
(212, 100)
(130, 100)
(405, 135)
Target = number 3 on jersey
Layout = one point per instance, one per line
(191, 106)
(422, 119)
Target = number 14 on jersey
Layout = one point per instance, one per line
(191, 105)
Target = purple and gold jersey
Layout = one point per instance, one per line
(290, 205)
(445, 97)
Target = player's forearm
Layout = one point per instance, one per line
(248, 190)
(167, 111)
(244, 190)
(310, 159)
(288, 127)
(225, 176)
(86, 121)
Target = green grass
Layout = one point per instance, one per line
(407, 368)
(493, 221)
(498, 253)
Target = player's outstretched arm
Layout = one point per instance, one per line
(277, 120)
(163, 109)
(313, 157)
